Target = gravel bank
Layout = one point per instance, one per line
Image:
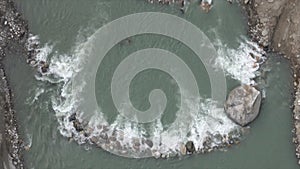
(13, 36)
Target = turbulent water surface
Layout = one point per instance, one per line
(66, 30)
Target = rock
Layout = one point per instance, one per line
(45, 68)
(103, 136)
(182, 149)
(297, 155)
(207, 142)
(156, 154)
(230, 1)
(86, 134)
(117, 145)
(149, 143)
(243, 104)
(112, 138)
(77, 125)
(94, 139)
(264, 32)
(32, 62)
(72, 117)
(27, 147)
(105, 128)
(206, 5)
(190, 147)
(217, 138)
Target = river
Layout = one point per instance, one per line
(64, 27)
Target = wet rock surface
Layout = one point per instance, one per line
(242, 104)
(13, 36)
(206, 5)
(190, 147)
(115, 141)
(276, 25)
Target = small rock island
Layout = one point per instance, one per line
(243, 104)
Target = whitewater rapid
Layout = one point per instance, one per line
(201, 121)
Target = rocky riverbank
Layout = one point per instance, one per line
(13, 37)
(275, 25)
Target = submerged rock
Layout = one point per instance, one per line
(72, 117)
(149, 143)
(78, 126)
(94, 139)
(206, 5)
(44, 67)
(243, 104)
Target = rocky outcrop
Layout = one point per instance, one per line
(286, 38)
(263, 16)
(242, 105)
(275, 24)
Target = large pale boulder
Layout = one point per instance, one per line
(243, 104)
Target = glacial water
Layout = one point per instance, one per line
(64, 29)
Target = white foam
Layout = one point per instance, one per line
(28, 140)
(43, 52)
(238, 63)
(198, 120)
(37, 93)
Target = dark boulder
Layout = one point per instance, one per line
(190, 147)
(149, 143)
(77, 125)
(72, 117)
